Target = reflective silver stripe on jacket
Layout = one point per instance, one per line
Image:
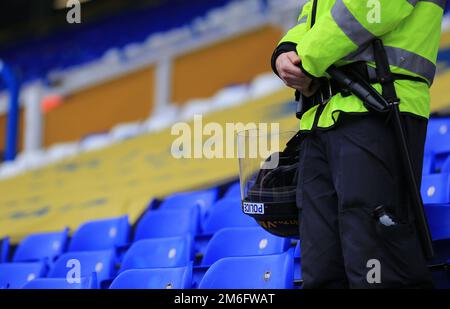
(400, 58)
(302, 20)
(353, 29)
(349, 24)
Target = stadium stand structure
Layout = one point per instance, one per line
(102, 39)
(111, 83)
(138, 71)
(108, 191)
(219, 17)
(235, 257)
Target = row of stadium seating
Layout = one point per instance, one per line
(231, 96)
(166, 251)
(188, 240)
(436, 168)
(436, 178)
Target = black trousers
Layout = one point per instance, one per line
(344, 174)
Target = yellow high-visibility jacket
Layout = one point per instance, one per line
(342, 34)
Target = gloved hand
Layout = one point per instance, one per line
(288, 67)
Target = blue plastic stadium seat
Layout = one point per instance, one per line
(157, 278)
(234, 191)
(101, 235)
(61, 284)
(439, 221)
(203, 199)
(440, 159)
(297, 250)
(100, 262)
(428, 166)
(194, 209)
(438, 145)
(245, 241)
(297, 270)
(436, 189)
(446, 166)
(251, 272)
(297, 263)
(45, 246)
(438, 126)
(4, 250)
(224, 213)
(16, 275)
(158, 252)
(167, 223)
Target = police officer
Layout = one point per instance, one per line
(349, 161)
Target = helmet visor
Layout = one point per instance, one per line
(266, 173)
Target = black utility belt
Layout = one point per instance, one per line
(329, 87)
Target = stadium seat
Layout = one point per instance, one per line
(157, 278)
(245, 241)
(252, 241)
(158, 252)
(251, 272)
(438, 126)
(203, 199)
(100, 262)
(234, 191)
(61, 284)
(428, 166)
(438, 219)
(438, 145)
(224, 213)
(297, 250)
(16, 275)
(45, 246)
(194, 210)
(297, 263)
(446, 166)
(439, 161)
(436, 189)
(101, 235)
(167, 223)
(4, 250)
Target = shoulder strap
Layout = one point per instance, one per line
(384, 74)
(314, 13)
